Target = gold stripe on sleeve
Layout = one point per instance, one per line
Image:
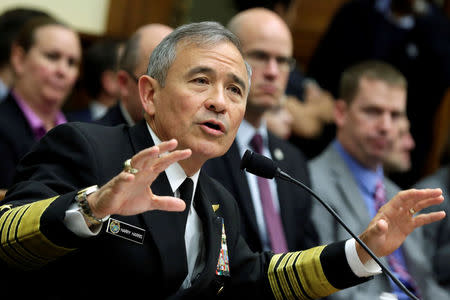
(311, 274)
(4, 224)
(16, 248)
(22, 240)
(292, 278)
(299, 275)
(282, 275)
(272, 277)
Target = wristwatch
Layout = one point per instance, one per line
(85, 209)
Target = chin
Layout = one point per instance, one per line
(212, 150)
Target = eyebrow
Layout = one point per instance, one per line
(208, 70)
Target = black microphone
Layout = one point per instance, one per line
(262, 166)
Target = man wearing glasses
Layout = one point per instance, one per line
(275, 215)
(133, 63)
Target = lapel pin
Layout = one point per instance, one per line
(278, 154)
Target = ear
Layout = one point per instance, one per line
(17, 59)
(148, 88)
(109, 82)
(123, 80)
(340, 112)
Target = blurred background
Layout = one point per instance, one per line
(118, 19)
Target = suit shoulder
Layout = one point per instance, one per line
(88, 128)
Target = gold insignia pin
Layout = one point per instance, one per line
(215, 207)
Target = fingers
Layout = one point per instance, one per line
(153, 152)
(427, 203)
(417, 199)
(152, 161)
(168, 203)
(424, 219)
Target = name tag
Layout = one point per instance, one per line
(125, 230)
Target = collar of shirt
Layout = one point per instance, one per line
(126, 115)
(97, 109)
(175, 173)
(245, 134)
(366, 179)
(36, 124)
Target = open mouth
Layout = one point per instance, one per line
(212, 125)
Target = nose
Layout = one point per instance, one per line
(271, 68)
(385, 122)
(217, 101)
(410, 144)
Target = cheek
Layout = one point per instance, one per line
(237, 114)
(40, 71)
(73, 75)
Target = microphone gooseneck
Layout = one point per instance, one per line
(262, 166)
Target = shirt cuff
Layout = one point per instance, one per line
(370, 268)
(75, 222)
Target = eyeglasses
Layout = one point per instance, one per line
(260, 58)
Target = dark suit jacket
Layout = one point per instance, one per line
(295, 203)
(113, 116)
(76, 155)
(16, 138)
(82, 115)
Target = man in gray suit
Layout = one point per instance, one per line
(349, 176)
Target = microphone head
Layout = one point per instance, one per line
(258, 164)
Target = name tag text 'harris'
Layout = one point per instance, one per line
(125, 230)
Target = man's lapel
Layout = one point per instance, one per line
(208, 210)
(166, 228)
(240, 180)
(347, 187)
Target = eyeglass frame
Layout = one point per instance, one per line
(260, 57)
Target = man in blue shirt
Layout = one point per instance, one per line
(349, 175)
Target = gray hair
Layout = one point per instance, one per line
(199, 34)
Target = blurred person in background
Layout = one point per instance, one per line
(99, 78)
(311, 106)
(45, 58)
(398, 161)
(349, 174)
(438, 236)
(133, 62)
(11, 21)
(275, 214)
(411, 35)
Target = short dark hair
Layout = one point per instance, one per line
(370, 69)
(26, 37)
(11, 22)
(101, 56)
